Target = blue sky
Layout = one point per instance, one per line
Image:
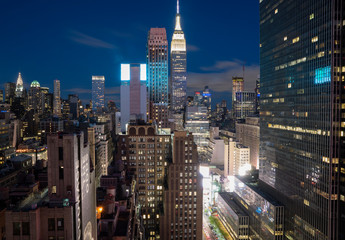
(73, 40)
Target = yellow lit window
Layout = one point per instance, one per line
(295, 40)
(311, 16)
(289, 85)
(315, 39)
(276, 11)
(285, 38)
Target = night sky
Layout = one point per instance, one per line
(71, 40)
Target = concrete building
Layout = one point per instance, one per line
(133, 93)
(236, 156)
(157, 76)
(183, 193)
(145, 151)
(248, 134)
(67, 208)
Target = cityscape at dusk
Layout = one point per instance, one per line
(147, 120)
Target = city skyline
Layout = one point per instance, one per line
(79, 52)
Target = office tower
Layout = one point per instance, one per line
(57, 99)
(1, 96)
(244, 105)
(248, 134)
(182, 217)
(197, 123)
(145, 152)
(98, 92)
(302, 113)
(237, 86)
(73, 100)
(71, 182)
(178, 61)
(19, 86)
(34, 97)
(10, 92)
(157, 76)
(257, 99)
(133, 93)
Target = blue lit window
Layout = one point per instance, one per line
(322, 75)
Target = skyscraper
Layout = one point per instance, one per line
(35, 97)
(98, 92)
(145, 151)
(19, 86)
(133, 93)
(10, 92)
(303, 113)
(157, 75)
(178, 68)
(183, 193)
(237, 86)
(57, 99)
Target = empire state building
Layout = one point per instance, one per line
(178, 66)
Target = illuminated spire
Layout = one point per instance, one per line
(178, 23)
(178, 7)
(19, 86)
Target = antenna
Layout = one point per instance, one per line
(178, 6)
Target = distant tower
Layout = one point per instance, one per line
(237, 86)
(57, 100)
(98, 91)
(34, 97)
(133, 93)
(19, 86)
(157, 80)
(178, 66)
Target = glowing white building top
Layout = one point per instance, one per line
(19, 86)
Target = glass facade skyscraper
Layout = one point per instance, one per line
(178, 67)
(157, 75)
(98, 92)
(303, 114)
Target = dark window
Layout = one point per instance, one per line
(51, 224)
(51, 238)
(16, 228)
(61, 172)
(60, 153)
(25, 228)
(60, 224)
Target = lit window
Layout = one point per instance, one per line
(311, 16)
(276, 11)
(285, 38)
(315, 39)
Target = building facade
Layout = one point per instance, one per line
(98, 92)
(178, 61)
(182, 218)
(133, 93)
(19, 86)
(145, 152)
(302, 113)
(157, 76)
(57, 99)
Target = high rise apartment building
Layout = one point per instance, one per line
(157, 76)
(10, 92)
(178, 61)
(145, 152)
(237, 86)
(302, 113)
(98, 92)
(133, 93)
(182, 217)
(57, 99)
